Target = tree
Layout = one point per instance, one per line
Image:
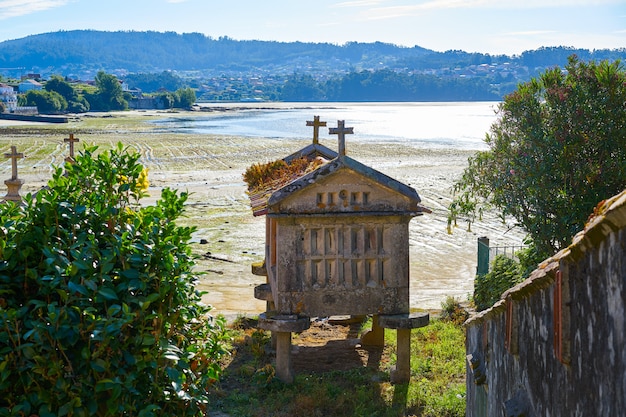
(99, 315)
(301, 87)
(75, 102)
(167, 100)
(557, 149)
(150, 83)
(58, 84)
(47, 102)
(109, 95)
(186, 98)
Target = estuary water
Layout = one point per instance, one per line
(460, 125)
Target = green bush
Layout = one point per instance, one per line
(453, 311)
(504, 274)
(98, 311)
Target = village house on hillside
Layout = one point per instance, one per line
(27, 85)
(554, 344)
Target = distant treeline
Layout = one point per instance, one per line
(382, 85)
(386, 85)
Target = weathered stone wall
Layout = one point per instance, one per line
(554, 345)
(341, 265)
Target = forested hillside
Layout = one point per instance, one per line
(233, 70)
(156, 51)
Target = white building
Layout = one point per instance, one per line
(8, 97)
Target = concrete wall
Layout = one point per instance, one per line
(555, 344)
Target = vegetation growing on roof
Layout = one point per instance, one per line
(275, 174)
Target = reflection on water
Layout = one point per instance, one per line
(457, 125)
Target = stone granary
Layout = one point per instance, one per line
(337, 243)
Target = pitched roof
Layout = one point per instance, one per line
(334, 166)
(312, 151)
(33, 82)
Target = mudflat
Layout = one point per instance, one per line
(210, 167)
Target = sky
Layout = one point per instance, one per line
(507, 27)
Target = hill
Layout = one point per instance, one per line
(232, 70)
(65, 52)
(156, 51)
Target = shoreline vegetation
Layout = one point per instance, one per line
(229, 239)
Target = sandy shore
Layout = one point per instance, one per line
(211, 167)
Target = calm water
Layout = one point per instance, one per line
(461, 125)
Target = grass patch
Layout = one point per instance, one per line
(437, 386)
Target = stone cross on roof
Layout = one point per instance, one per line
(14, 155)
(71, 140)
(316, 128)
(341, 131)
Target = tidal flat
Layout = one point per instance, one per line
(210, 167)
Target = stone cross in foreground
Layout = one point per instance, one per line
(14, 156)
(71, 140)
(14, 184)
(316, 128)
(341, 131)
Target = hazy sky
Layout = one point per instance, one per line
(489, 26)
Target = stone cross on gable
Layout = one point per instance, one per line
(14, 155)
(316, 128)
(341, 131)
(71, 140)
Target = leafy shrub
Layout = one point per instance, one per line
(488, 288)
(453, 311)
(98, 311)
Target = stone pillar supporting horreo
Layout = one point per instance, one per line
(375, 336)
(282, 326)
(403, 323)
